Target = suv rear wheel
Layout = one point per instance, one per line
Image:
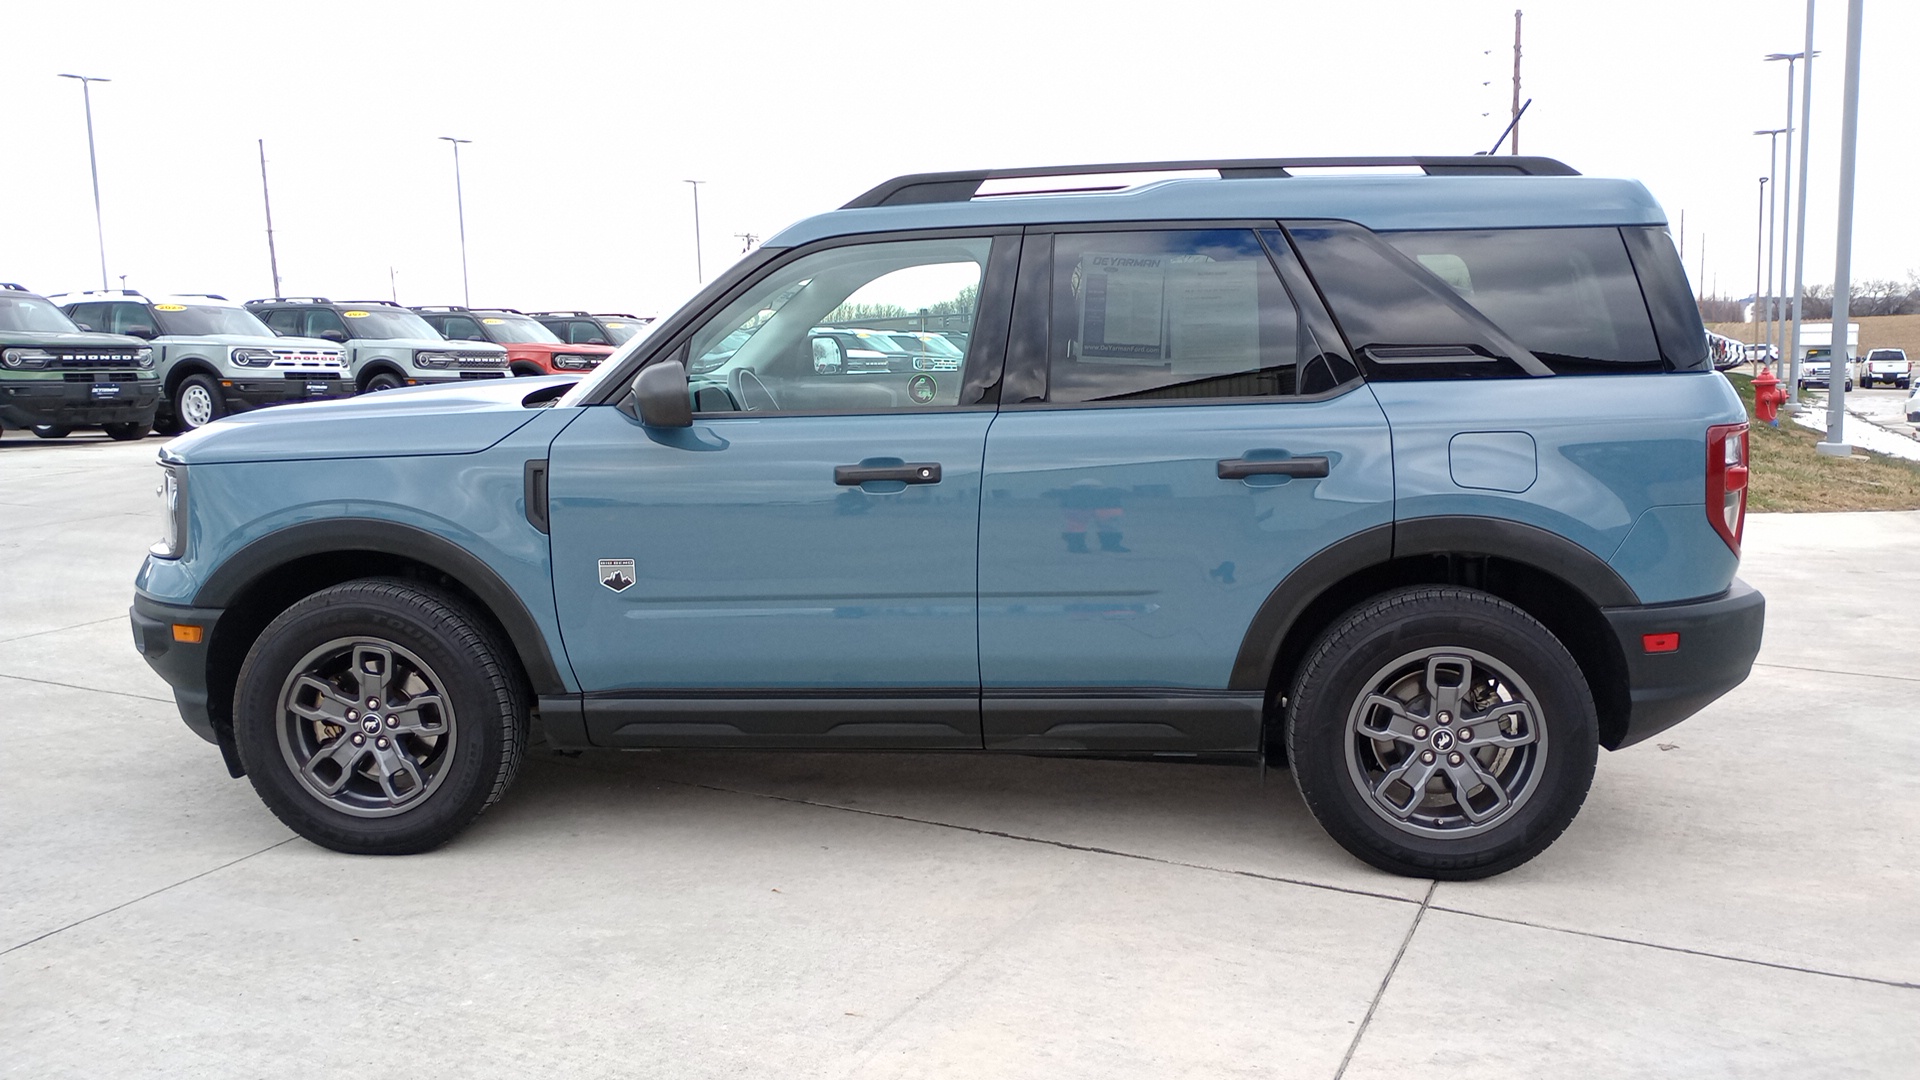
(377, 717)
(1442, 732)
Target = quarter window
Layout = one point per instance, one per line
(1170, 314)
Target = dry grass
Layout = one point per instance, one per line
(1790, 477)
(1876, 332)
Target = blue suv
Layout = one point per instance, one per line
(1422, 483)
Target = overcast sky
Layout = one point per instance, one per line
(587, 118)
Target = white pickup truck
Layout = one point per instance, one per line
(1886, 367)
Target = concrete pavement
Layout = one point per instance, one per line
(1736, 899)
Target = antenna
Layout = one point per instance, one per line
(1511, 126)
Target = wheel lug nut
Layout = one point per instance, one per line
(1466, 734)
(393, 721)
(359, 740)
(353, 714)
(1426, 757)
(1446, 718)
(373, 703)
(381, 743)
(1452, 759)
(1419, 732)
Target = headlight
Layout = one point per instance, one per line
(173, 513)
(436, 359)
(572, 362)
(143, 357)
(26, 358)
(253, 357)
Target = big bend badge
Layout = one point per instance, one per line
(617, 574)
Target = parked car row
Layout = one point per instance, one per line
(130, 362)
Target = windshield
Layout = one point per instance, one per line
(517, 330)
(34, 315)
(384, 325)
(199, 320)
(622, 330)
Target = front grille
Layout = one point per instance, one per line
(90, 361)
(311, 376)
(305, 360)
(99, 376)
(481, 361)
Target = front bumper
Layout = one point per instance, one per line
(254, 393)
(1717, 641)
(182, 663)
(29, 404)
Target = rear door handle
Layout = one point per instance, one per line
(912, 472)
(1241, 468)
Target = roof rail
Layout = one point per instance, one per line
(14, 286)
(290, 300)
(203, 295)
(962, 186)
(538, 314)
(364, 303)
(439, 307)
(589, 314)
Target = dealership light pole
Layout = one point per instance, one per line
(1800, 217)
(1835, 443)
(1759, 249)
(1787, 342)
(93, 162)
(460, 204)
(1773, 197)
(699, 266)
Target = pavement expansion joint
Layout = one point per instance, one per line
(1385, 980)
(62, 629)
(88, 689)
(147, 896)
(1777, 966)
(1833, 671)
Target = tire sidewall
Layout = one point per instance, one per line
(478, 735)
(1374, 636)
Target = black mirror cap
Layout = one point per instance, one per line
(338, 337)
(661, 396)
(144, 333)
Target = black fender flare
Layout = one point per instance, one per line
(266, 554)
(1531, 545)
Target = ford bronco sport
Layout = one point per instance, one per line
(532, 349)
(213, 356)
(1422, 484)
(55, 377)
(387, 345)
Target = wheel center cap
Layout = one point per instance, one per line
(1442, 739)
(371, 725)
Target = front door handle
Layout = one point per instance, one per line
(1241, 468)
(911, 472)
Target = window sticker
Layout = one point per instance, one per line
(1121, 303)
(169, 307)
(922, 388)
(493, 322)
(354, 314)
(1213, 316)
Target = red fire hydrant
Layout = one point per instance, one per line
(1768, 396)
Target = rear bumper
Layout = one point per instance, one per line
(27, 404)
(1718, 639)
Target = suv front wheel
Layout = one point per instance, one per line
(1442, 732)
(377, 717)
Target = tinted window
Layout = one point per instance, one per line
(581, 332)
(92, 314)
(283, 320)
(458, 328)
(126, 318)
(1663, 281)
(1569, 296)
(1169, 314)
(518, 330)
(320, 320)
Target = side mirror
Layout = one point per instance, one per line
(144, 333)
(660, 396)
(82, 326)
(829, 356)
(338, 337)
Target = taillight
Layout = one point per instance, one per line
(1727, 481)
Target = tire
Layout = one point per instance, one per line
(1529, 710)
(383, 380)
(197, 402)
(127, 432)
(447, 752)
(52, 431)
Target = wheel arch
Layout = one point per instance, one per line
(1554, 580)
(261, 580)
(379, 365)
(184, 368)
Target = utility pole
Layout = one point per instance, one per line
(93, 162)
(273, 260)
(699, 267)
(747, 241)
(1800, 215)
(393, 284)
(1516, 81)
(1702, 283)
(1759, 249)
(1835, 444)
(460, 203)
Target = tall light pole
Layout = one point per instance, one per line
(273, 258)
(1773, 197)
(93, 162)
(1786, 202)
(460, 203)
(1759, 247)
(699, 266)
(1800, 215)
(1836, 443)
